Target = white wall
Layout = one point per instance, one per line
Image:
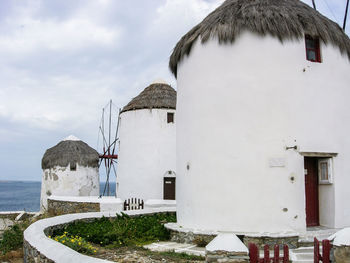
(61, 181)
(147, 151)
(238, 106)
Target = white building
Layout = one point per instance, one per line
(263, 119)
(147, 145)
(69, 169)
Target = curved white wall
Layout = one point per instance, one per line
(147, 150)
(238, 106)
(61, 181)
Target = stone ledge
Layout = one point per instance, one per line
(187, 235)
(41, 249)
(61, 205)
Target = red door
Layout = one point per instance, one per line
(311, 191)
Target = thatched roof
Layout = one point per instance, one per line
(283, 19)
(155, 96)
(70, 152)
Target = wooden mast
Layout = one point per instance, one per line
(346, 14)
(313, 3)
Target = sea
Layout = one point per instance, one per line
(25, 195)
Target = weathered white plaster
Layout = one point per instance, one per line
(147, 152)
(60, 253)
(157, 203)
(241, 104)
(61, 181)
(227, 242)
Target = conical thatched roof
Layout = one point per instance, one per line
(283, 19)
(72, 152)
(155, 96)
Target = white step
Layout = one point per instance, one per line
(303, 250)
(302, 255)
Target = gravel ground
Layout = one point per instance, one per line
(139, 255)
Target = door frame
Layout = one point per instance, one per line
(325, 219)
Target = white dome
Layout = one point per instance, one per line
(159, 81)
(71, 138)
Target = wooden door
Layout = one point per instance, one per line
(311, 191)
(169, 188)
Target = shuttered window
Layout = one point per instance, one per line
(313, 52)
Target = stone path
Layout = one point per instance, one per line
(188, 249)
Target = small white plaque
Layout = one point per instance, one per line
(277, 162)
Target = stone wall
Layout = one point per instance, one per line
(57, 207)
(227, 257)
(342, 254)
(189, 237)
(260, 241)
(31, 255)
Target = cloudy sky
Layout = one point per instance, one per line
(61, 61)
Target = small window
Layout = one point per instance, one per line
(73, 166)
(312, 45)
(325, 171)
(170, 117)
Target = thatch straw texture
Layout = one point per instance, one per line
(283, 19)
(70, 152)
(155, 96)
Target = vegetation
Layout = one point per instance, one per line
(12, 238)
(75, 242)
(121, 231)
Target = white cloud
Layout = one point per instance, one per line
(175, 16)
(33, 35)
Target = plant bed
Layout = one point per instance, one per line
(122, 230)
(121, 239)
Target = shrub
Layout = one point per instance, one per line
(12, 239)
(75, 242)
(123, 230)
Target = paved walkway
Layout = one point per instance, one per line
(188, 249)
